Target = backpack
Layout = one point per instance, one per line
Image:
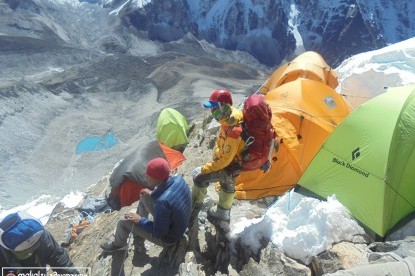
(258, 133)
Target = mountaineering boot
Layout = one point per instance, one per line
(225, 200)
(223, 210)
(111, 247)
(218, 213)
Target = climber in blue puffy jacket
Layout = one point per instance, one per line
(169, 202)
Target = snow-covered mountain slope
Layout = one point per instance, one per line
(272, 30)
(366, 75)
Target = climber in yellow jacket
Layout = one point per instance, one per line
(226, 162)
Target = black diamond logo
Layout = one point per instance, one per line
(355, 153)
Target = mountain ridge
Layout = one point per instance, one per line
(271, 31)
(267, 29)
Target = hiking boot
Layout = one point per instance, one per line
(219, 213)
(111, 247)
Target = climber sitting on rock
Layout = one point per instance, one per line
(168, 202)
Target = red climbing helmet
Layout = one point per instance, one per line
(219, 96)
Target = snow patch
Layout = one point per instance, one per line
(293, 24)
(140, 3)
(40, 208)
(120, 8)
(366, 75)
(72, 199)
(300, 226)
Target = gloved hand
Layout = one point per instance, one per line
(196, 172)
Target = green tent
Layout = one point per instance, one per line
(172, 129)
(368, 161)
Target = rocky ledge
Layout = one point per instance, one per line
(207, 250)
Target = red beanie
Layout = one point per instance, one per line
(159, 169)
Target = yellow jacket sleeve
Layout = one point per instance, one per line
(226, 150)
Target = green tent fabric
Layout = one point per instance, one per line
(172, 129)
(368, 161)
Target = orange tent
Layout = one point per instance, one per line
(309, 65)
(305, 112)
